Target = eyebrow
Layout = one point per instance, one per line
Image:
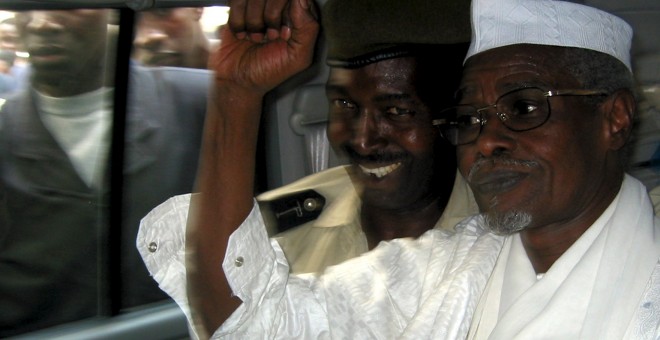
(503, 88)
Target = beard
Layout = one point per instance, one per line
(508, 222)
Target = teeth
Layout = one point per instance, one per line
(382, 171)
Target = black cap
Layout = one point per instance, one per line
(360, 32)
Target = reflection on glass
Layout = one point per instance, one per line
(54, 144)
(180, 37)
(12, 56)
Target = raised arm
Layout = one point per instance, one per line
(266, 43)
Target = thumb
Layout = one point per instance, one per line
(308, 6)
(304, 21)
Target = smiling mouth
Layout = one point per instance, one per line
(380, 172)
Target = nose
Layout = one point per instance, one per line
(366, 133)
(494, 138)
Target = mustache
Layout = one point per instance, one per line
(497, 162)
(377, 157)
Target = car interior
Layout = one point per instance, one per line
(293, 143)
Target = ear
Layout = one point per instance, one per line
(619, 109)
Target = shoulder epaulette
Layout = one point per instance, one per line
(295, 209)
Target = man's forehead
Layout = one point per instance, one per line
(512, 67)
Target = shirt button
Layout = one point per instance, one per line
(239, 261)
(153, 246)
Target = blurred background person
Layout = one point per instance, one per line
(172, 37)
(7, 81)
(6, 61)
(8, 33)
(51, 177)
(12, 61)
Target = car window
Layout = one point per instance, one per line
(91, 139)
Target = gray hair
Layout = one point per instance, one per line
(508, 222)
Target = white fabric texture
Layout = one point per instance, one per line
(497, 23)
(318, 147)
(429, 288)
(591, 292)
(161, 241)
(405, 289)
(447, 270)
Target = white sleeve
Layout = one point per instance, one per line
(255, 267)
(275, 305)
(161, 241)
(361, 298)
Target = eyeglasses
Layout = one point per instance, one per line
(519, 110)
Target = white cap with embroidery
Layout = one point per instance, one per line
(497, 23)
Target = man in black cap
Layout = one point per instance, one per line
(385, 84)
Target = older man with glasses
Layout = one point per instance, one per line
(566, 246)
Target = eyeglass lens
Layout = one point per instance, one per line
(519, 110)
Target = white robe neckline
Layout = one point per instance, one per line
(591, 292)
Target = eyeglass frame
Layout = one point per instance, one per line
(503, 116)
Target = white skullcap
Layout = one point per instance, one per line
(497, 23)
